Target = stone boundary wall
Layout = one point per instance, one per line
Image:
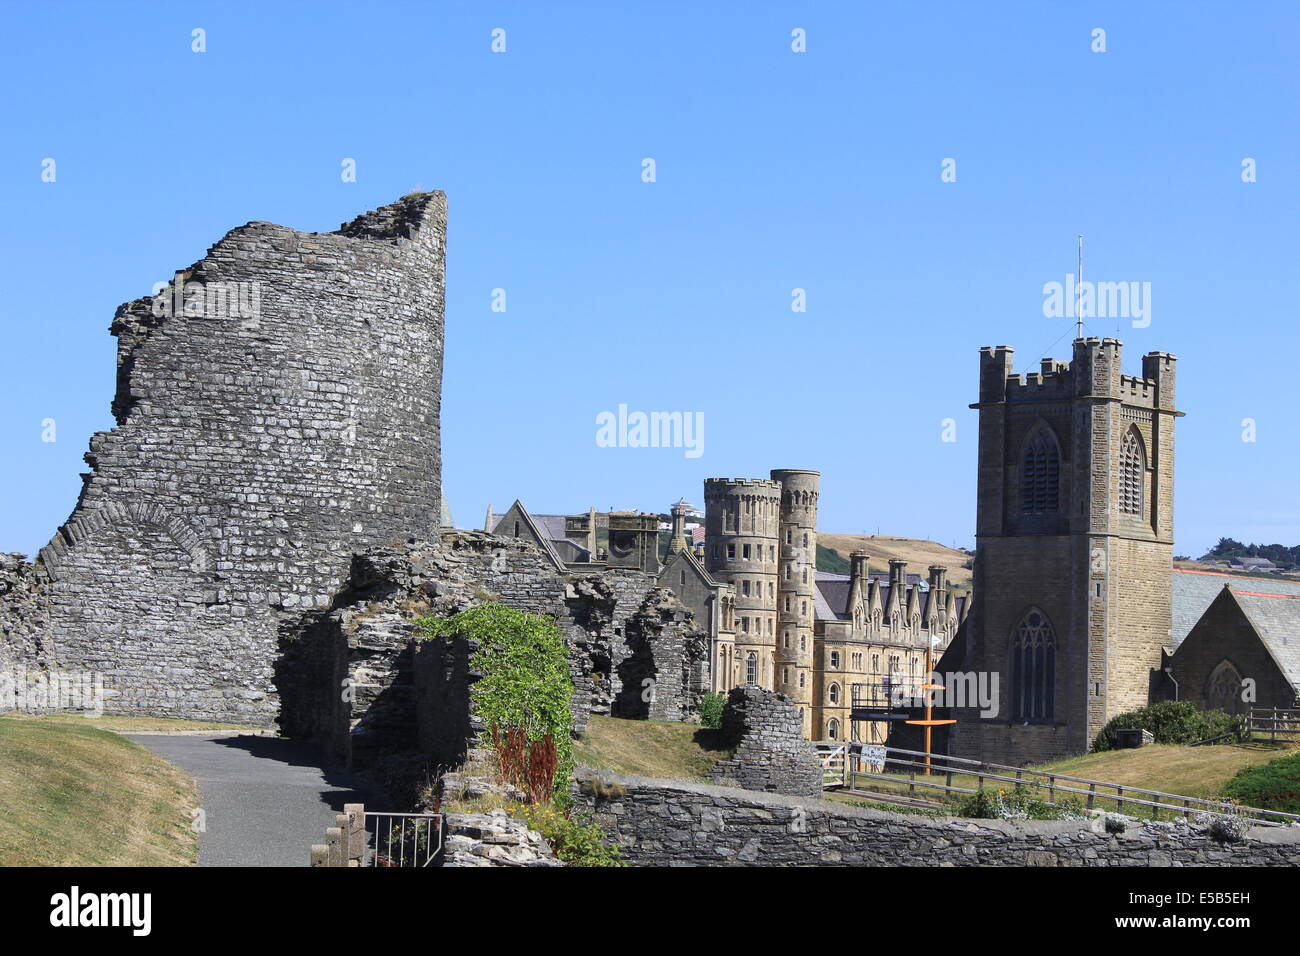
(670, 822)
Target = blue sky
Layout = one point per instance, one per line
(775, 171)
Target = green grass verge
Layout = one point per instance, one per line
(649, 748)
(74, 795)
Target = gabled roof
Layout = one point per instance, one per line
(543, 540)
(689, 557)
(1194, 591)
(834, 590)
(1276, 618)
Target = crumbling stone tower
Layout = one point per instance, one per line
(1074, 547)
(796, 588)
(742, 524)
(256, 449)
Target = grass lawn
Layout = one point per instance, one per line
(140, 725)
(1187, 771)
(72, 794)
(1184, 771)
(649, 748)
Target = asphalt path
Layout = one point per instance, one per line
(265, 800)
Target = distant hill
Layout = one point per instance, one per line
(833, 552)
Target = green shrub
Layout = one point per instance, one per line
(525, 683)
(1019, 803)
(1170, 722)
(574, 841)
(711, 707)
(1270, 786)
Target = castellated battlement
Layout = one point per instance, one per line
(1093, 371)
(277, 411)
(719, 485)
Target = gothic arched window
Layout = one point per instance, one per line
(1033, 669)
(1040, 473)
(834, 694)
(1223, 688)
(751, 668)
(1132, 473)
(832, 729)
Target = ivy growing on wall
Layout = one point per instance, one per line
(525, 683)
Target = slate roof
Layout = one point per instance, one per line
(1277, 622)
(832, 594)
(832, 597)
(1193, 591)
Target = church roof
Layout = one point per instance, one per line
(1276, 618)
(1194, 591)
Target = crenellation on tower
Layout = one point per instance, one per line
(1074, 530)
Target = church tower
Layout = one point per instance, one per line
(1074, 549)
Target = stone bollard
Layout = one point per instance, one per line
(336, 856)
(345, 841)
(356, 816)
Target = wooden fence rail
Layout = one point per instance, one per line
(1056, 786)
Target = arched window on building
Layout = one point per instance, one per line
(1033, 669)
(1132, 473)
(1223, 688)
(832, 729)
(751, 668)
(1040, 472)
(833, 694)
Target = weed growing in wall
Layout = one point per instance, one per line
(711, 707)
(576, 842)
(525, 685)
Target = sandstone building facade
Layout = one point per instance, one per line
(822, 639)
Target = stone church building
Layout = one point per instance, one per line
(1074, 546)
(1236, 642)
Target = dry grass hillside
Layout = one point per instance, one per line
(918, 553)
(72, 794)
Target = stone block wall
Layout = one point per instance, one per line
(668, 822)
(277, 410)
(356, 678)
(771, 752)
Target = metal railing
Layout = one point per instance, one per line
(402, 839)
(886, 691)
(907, 768)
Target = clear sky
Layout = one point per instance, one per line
(774, 171)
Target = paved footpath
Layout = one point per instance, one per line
(266, 800)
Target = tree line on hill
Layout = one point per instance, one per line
(1279, 554)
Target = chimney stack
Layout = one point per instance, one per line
(938, 577)
(897, 574)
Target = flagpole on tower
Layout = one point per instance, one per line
(1078, 295)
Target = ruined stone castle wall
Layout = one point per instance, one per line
(264, 435)
(771, 752)
(357, 679)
